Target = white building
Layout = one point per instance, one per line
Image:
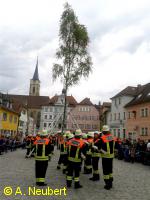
(52, 113)
(22, 127)
(118, 113)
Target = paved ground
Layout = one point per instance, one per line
(132, 181)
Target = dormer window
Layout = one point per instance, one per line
(148, 94)
(139, 96)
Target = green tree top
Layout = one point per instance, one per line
(73, 50)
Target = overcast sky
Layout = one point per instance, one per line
(119, 32)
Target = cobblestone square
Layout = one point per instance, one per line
(131, 181)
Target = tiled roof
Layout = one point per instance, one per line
(17, 105)
(9, 109)
(31, 101)
(128, 91)
(142, 96)
(97, 107)
(70, 100)
(86, 101)
(107, 104)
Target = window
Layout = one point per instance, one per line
(124, 115)
(110, 117)
(50, 116)
(134, 114)
(88, 126)
(15, 119)
(118, 116)
(4, 116)
(115, 102)
(118, 133)
(10, 118)
(46, 109)
(45, 125)
(124, 133)
(119, 100)
(31, 114)
(129, 115)
(49, 124)
(114, 116)
(21, 123)
(94, 126)
(33, 90)
(51, 109)
(139, 96)
(144, 131)
(81, 126)
(45, 116)
(24, 112)
(87, 109)
(144, 112)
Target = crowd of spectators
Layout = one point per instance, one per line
(133, 151)
(9, 143)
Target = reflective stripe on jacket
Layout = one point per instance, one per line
(74, 150)
(108, 145)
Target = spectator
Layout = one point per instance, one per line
(132, 153)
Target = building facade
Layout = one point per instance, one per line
(138, 115)
(118, 113)
(9, 118)
(85, 116)
(52, 113)
(105, 112)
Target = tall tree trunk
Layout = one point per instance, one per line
(64, 113)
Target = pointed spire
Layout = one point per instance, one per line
(36, 73)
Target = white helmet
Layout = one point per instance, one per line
(67, 133)
(105, 128)
(70, 136)
(91, 134)
(84, 135)
(96, 132)
(78, 132)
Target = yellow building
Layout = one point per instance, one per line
(8, 121)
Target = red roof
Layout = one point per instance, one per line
(70, 100)
(86, 101)
(31, 101)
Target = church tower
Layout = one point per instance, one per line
(35, 83)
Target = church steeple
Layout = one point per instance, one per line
(36, 73)
(35, 82)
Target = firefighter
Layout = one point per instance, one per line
(63, 151)
(65, 168)
(38, 135)
(42, 152)
(88, 160)
(107, 143)
(33, 139)
(28, 144)
(76, 152)
(65, 157)
(95, 157)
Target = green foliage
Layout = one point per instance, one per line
(73, 50)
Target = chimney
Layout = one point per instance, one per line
(139, 85)
(139, 88)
